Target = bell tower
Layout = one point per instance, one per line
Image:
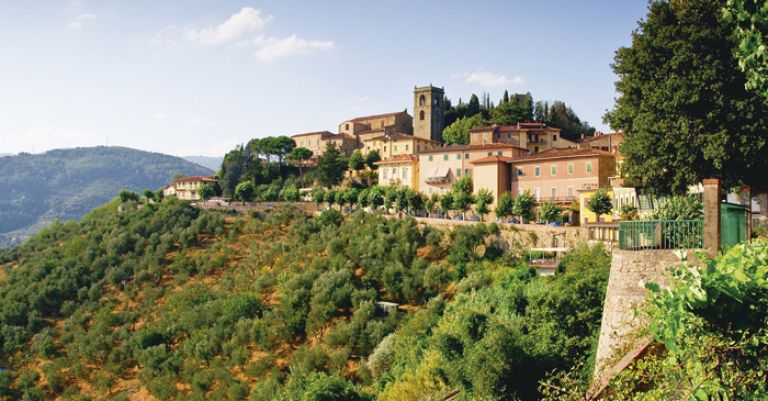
(428, 116)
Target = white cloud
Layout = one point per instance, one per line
(80, 21)
(247, 20)
(490, 79)
(204, 121)
(271, 49)
(167, 36)
(160, 116)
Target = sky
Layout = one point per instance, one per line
(199, 77)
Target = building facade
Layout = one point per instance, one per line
(535, 137)
(440, 167)
(401, 170)
(392, 145)
(188, 188)
(429, 116)
(318, 141)
(557, 175)
(399, 121)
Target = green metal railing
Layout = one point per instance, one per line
(661, 234)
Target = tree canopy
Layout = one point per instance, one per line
(683, 104)
(331, 166)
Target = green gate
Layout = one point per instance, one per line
(733, 224)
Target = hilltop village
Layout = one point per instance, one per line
(524, 158)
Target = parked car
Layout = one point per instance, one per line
(555, 224)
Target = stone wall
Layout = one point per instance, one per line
(625, 293)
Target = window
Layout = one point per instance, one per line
(537, 171)
(458, 172)
(430, 157)
(467, 171)
(490, 153)
(406, 148)
(405, 172)
(519, 171)
(570, 168)
(421, 115)
(422, 100)
(466, 155)
(589, 167)
(536, 149)
(386, 173)
(346, 127)
(570, 193)
(477, 137)
(553, 170)
(554, 193)
(445, 157)
(458, 156)
(385, 149)
(500, 153)
(554, 137)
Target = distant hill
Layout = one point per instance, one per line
(64, 184)
(211, 162)
(6, 154)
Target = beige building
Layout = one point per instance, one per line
(363, 127)
(188, 188)
(391, 145)
(535, 137)
(606, 142)
(317, 141)
(440, 167)
(557, 175)
(493, 173)
(401, 170)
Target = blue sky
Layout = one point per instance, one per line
(197, 77)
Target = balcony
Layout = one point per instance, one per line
(557, 199)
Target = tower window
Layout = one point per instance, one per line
(422, 100)
(421, 115)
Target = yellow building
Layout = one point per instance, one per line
(392, 145)
(188, 188)
(318, 141)
(586, 215)
(401, 170)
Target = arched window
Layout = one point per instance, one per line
(421, 115)
(422, 100)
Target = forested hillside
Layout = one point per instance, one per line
(64, 184)
(162, 301)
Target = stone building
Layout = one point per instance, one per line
(429, 116)
(391, 145)
(536, 137)
(364, 128)
(317, 142)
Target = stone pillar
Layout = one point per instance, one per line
(712, 216)
(746, 196)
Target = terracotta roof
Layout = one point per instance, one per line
(563, 153)
(196, 179)
(399, 159)
(455, 148)
(530, 127)
(321, 133)
(369, 131)
(356, 119)
(610, 135)
(492, 159)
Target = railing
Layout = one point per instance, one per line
(556, 199)
(661, 234)
(603, 232)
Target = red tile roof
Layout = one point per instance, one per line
(196, 179)
(455, 148)
(563, 153)
(528, 127)
(357, 119)
(322, 134)
(492, 159)
(399, 159)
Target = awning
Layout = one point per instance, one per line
(440, 174)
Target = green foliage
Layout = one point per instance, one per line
(458, 132)
(600, 203)
(751, 20)
(321, 387)
(371, 158)
(684, 119)
(128, 196)
(688, 207)
(484, 198)
(356, 160)
(515, 110)
(331, 166)
(549, 211)
(629, 212)
(523, 206)
(206, 192)
(244, 191)
(504, 208)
